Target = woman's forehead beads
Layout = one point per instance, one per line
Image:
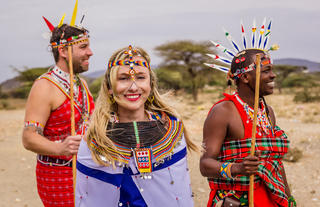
(131, 62)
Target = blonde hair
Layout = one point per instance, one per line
(106, 105)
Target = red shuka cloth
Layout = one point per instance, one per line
(262, 196)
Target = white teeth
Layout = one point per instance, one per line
(270, 84)
(133, 96)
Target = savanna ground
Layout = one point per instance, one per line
(300, 121)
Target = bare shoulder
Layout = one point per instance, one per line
(220, 115)
(41, 88)
(223, 109)
(40, 100)
(45, 94)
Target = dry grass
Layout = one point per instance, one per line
(12, 103)
(300, 121)
(285, 107)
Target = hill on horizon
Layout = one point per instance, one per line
(311, 65)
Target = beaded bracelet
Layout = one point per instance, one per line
(225, 170)
(37, 125)
(292, 202)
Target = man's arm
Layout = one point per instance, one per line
(38, 108)
(214, 132)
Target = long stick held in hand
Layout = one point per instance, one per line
(74, 157)
(254, 125)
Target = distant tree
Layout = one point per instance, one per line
(300, 80)
(26, 76)
(169, 78)
(95, 86)
(30, 74)
(187, 58)
(283, 72)
(2, 94)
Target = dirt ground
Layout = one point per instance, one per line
(301, 122)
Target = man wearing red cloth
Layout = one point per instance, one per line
(47, 130)
(227, 140)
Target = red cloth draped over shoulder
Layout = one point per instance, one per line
(271, 147)
(55, 183)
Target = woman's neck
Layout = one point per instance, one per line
(130, 116)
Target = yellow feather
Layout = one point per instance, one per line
(61, 21)
(74, 14)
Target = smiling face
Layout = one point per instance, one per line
(131, 94)
(266, 76)
(80, 56)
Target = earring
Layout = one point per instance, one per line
(112, 100)
(150, 99)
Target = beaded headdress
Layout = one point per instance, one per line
(260, 43)
(131, 51)
(73, 39)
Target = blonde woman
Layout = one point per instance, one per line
(136, 146)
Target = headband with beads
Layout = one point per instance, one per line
(73, 39)
(130, 62)
(261, 43)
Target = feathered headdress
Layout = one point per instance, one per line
(260, 43)
(73, 39)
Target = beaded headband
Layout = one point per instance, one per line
(261, 44)
(130, 62)
(73, 39)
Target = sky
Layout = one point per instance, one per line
(114, 24)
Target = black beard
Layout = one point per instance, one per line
(77, 68)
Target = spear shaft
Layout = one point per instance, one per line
(254, 126)
(74, 157)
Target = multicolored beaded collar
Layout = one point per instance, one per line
(263, 120)
(161, 149)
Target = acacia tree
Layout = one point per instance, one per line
(283, 72)
(24, 80)
(187, 57)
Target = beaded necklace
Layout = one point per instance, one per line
(62, 80)
(263, 120)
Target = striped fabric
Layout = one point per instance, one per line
(270, 151)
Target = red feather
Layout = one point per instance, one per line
(51, 27)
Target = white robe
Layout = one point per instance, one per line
(100, 186)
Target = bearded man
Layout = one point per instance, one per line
(47, 130)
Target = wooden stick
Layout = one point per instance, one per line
(74, 157)
(254, 125)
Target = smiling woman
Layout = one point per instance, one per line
(136, 147)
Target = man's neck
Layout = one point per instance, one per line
(62, 64)
(247, 95)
